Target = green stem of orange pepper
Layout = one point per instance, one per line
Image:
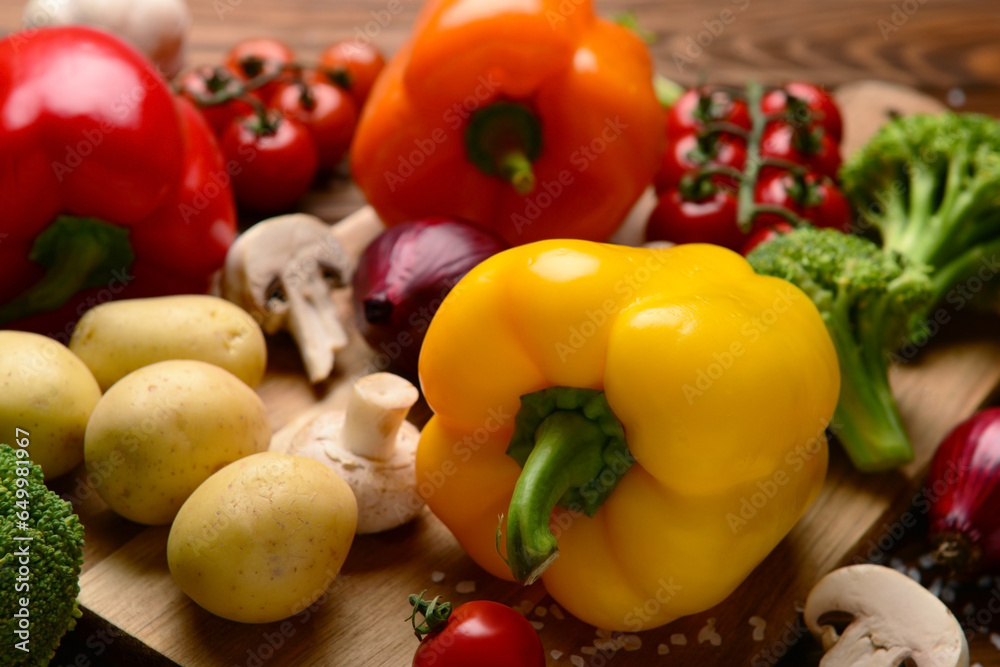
(503, 139)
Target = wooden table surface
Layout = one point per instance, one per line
(948, 49)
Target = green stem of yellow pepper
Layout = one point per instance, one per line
(573, 453)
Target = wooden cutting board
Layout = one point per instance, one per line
(133, 609)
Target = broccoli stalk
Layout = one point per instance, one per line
(867, 299)
(930, 185)
(41, 554)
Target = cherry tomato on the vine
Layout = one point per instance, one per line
(205, 82)
(481, 633)
(811, 197)
(330, 114)
(260, 56)
(685, 155)
(821, 108)
(708, 220)
(816, 150)
(359, 63)
(697, 106)
(276, 164)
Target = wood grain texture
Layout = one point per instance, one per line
(135, 613)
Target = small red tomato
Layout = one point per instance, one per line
(353, 65)
(763, 235)
(260, 56)
(276, 164)
(689, 152)
(815, 107)
(816, 150)
(708, 220)
(480, 633)
(810, 196)
(697, 106)
(205, 82)
(328, 112)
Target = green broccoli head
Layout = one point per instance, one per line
(41, 554)
(870, 301)
(930, 185)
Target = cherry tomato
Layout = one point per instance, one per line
(709, 220)
(205, 82)
(275, 166)
(482, 633)
(260, 56)
(328, 112)
(812, 197)
(685, 154)
(763, 235)
(697, 106)
(818, 150)
(823, 110)
(361, 63)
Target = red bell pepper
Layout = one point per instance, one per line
(111, 187)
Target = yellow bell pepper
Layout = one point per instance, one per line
(654, 418)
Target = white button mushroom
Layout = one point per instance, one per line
(891, 619)
(282, 271)
(370, 445)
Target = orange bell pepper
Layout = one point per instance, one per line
(536, 120)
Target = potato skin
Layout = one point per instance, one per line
(263, 538)
(162, 430)
(49, 392)
(117, 337)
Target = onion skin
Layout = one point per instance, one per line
(963, 486)
(404, 275)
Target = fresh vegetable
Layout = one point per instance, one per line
(891, 620)
(205, 83)
(261, 58)
(370, 445)
(930, 186)
(773, 154)
(116, 338)
(276, 160)
(617, 363)
(548, 128)
(964, 483)
(41, 554)
(283, 270)
(112, 187)
(353, 65)
(329, 114)
(158, 28)
(482, 633)
(403, 276)
(263, 538)
(160, 431)
(869, 301)
(45, 390)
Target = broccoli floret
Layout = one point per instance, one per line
(868, 299)
(42, 571)
(930, 185)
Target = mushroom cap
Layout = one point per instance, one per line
(385, 490)
(892, 618)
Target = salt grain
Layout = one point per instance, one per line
(537, 625)
(556, 612)
(555, 654)
(913, 573)
(588, 650)
(631, 642)
(759, 625)
(437, 577)
(541, 611)
(525, 606)
(678, 639)
(969, 609)
(465, 587)
(926, 561)
(708, 634)
(662, 649)
(995, 640)
(935, 587)
(577, 661)
(948, 594)
(897, 564)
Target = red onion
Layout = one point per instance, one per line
(403, 276)
(963, 488)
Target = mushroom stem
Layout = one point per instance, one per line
(376, 409)
(312, 321)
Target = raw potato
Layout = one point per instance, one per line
(118, 337)
(163, 430)
(48, 392)
(263, 538)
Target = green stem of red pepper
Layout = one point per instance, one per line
(503, 139)
(573, 453)
(78, 253)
